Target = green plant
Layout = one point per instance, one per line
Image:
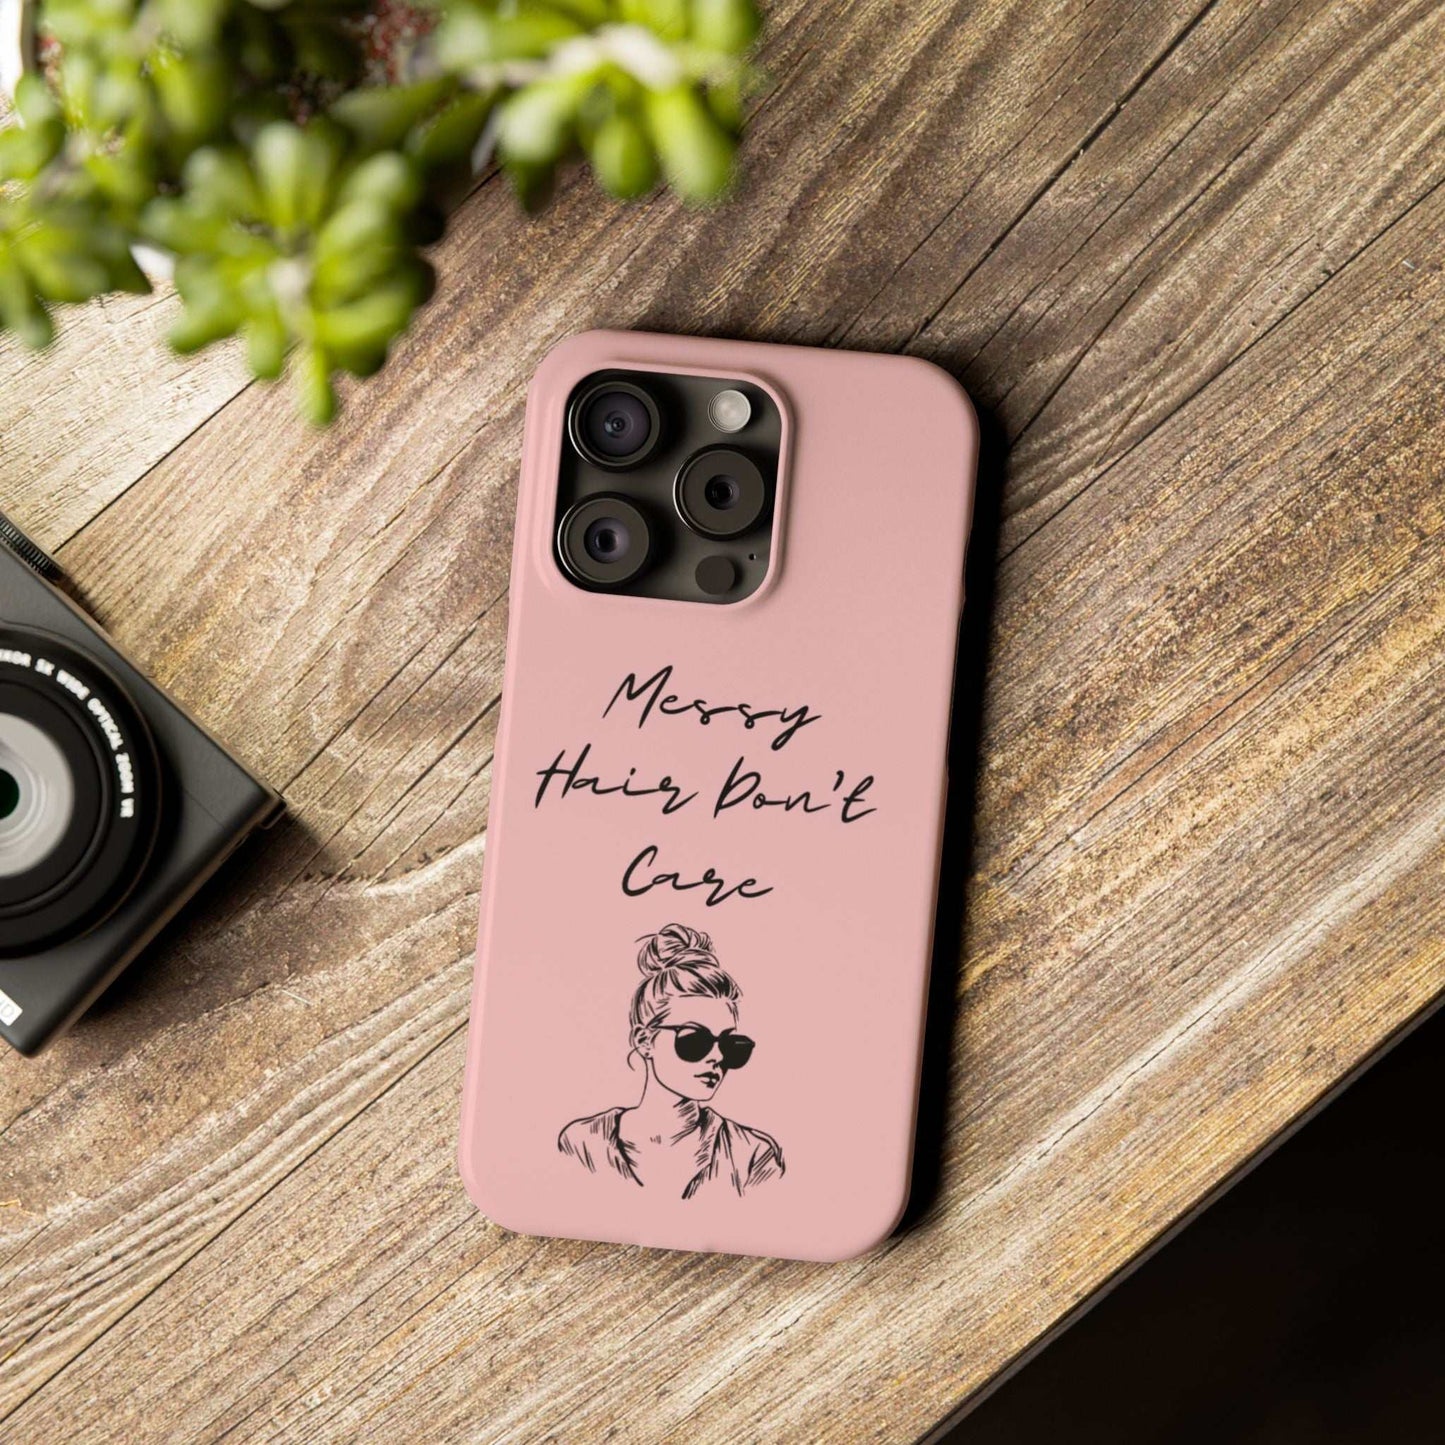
(293, 156)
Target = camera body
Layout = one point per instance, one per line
(115, 807)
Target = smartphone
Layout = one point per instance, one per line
(718, 796)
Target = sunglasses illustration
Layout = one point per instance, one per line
(694, 1043)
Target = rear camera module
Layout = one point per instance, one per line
(669, 483)
(604, 541)
(720, 493)
(615, 424)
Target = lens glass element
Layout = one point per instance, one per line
(615, 424)
(604, 541)
(720, 493)
(607, 540)
(37, 795)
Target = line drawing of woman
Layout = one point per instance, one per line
(684, 1020)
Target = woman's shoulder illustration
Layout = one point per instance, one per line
(587, 1138)
(593, 1141)
(756, 1154)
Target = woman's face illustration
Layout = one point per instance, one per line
(700, 1080)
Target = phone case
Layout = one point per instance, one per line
(800, 915)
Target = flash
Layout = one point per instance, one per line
(729, 411)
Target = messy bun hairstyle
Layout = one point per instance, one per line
(677, 962)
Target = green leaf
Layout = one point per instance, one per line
(266, 343)
(380, 116)
(34, 103)
(21, 310)
(193, 90)
(696, 153)
(532, 184)
(451, 136)
(358, 247)
(205, 319)
(168, 221)
(313, 386)
(125, 272)
(126, 175)
(25, 150)
(388, 179)
(729, 26)
(192, 24)
(370, 320)
(535, 125)
(294, 168)
(221, 183)
(585, 12)
(622, 156)
(470, 36)
(726, 100)
(61, 266)
(668, 18)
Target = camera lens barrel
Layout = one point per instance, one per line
(81, 792)
(604, 541)
(720, 493)
(615, 424)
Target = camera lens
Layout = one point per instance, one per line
(720, 493)
(607, 540)
(604, 541)
(79, 792)
(615, 424)
(37, 795)
(618, 422)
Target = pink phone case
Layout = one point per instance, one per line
(830, 687)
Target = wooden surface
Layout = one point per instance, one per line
(1188, 258)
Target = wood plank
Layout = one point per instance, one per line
(126, 401)
(122, 398)
(1229, 187)
(1207, 752)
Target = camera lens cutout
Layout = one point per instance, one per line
(604, 541)
(615, 424)
(720, 493)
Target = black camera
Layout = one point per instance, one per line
(114, 805)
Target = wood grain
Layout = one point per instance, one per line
(88, 417)
(1187, 255)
